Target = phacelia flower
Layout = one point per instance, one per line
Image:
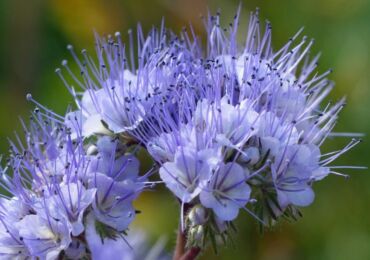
(117, 94)
(134, 246)
(55, 183)
(246, 131)
(230, 126)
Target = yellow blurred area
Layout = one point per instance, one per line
(78, 19)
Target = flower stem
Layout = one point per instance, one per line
(180, 245)
(180, 250)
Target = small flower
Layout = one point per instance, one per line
(226, 191)
(184, 175)
(44, 238)
(134, 247)
(113, 202)
(11, 244)
(197, 215)
(70, 202)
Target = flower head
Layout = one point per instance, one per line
(230, 127)
(247, 128)
(56, 183)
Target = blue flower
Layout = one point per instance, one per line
(226, 191)
(55, 184)
(117, 94)
(231, 127)
(44, 238)
(184, 176)
(253, 109)
(11, 244)
(113, 202)
(70, 202)
(133, 247)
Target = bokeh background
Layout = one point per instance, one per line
(33, 37)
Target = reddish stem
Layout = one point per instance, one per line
(180, 245)
(180, 252)
(191, 254)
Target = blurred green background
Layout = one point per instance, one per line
(34, 34)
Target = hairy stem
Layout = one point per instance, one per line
(180, 245)
(181, 252)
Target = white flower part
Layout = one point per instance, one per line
(250, 155)
(289, 103)
(233, 124)
(184, 175)
(74, 198)
(276, 134)
(91, 119)
(301, 198)
(204, 115)
(196, 233)
(87, 121)
(88, 103)
(320, 173)
(93, 125)
(271, 145)
(225, 192)
(113, 203)
(307, 154)
(10, 247)
(133, 247)
(91, 150)
(14, 209)
(211, 156)
(244, 63)
(44, 238)
(197, 215)
(247, 122)
(119, 103)
(160, 147)
(118, 114)
(163, 147)
(300, 163)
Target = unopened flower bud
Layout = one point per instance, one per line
(197, 215)
(250, 155)
(196, 233)
(91, 150)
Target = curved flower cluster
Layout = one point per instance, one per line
(232, 127)
(56, 185)
(247, 132)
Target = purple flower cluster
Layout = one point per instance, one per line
(230, 127)
(56, 184)
(246, 132)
